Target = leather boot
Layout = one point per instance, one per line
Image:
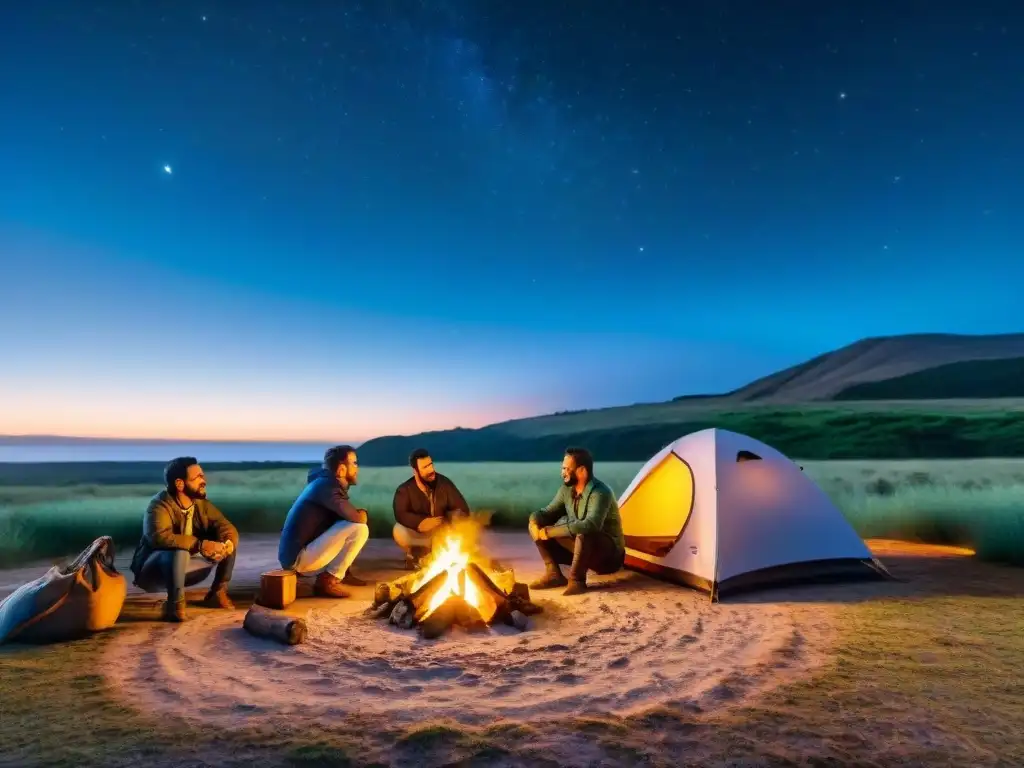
(352, 580)
(552, 578)
(174, 609)
(217, 597)
(329, 586)
(576, 587)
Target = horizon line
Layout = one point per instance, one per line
(253, 441)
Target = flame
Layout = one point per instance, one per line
(453, 556)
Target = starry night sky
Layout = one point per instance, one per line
(384, 217)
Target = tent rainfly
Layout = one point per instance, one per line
(722, 512)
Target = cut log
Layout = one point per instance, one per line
(281, 627)
(439, 622)
(277, 588)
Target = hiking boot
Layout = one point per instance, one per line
(217, 597)
(414, 558)
(550, 580)
(329, 586)
(352, 580)
(575, 588)
(174, 609)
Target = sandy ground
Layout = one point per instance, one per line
(630, 644)
(629, 647)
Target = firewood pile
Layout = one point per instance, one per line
(466, 596)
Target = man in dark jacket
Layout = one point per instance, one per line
(324, 531)
(179, 525)
(580, 528)
(422, 504)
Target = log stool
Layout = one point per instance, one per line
(281, 627)
(277, 588)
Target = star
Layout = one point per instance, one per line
(168, 170)
(641, 249)
(204, 18)
(842, 95)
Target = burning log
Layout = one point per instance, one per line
(281, 627)
(467, 616)
(381, 594)
(492, 602)
(439, 622)
(504, 579)
(454, 588)
(421, 598)
(484, 582)
(393, 591)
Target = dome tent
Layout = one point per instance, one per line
(723, 512)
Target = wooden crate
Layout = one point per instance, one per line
(277, 588)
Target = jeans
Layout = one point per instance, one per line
(175, 569)
(334, 550)
(592, 551)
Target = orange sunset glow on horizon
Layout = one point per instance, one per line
(243, 419)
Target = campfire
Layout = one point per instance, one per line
(454, 587)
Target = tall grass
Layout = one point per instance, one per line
(976, 503)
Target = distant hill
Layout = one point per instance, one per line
(871, 360)
(921, 395)
(970, 379)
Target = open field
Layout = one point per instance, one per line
(919, 671)
(978, 503)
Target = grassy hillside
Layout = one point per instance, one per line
(970, 379)
(876, 359)
(808, 386)
(976, 503)
(810, 433)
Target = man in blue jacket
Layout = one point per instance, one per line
(324, 531)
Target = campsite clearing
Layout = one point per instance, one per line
(921, 670)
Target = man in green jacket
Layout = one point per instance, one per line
(580, 528)
(183, 537)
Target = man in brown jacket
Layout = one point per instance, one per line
(183, 537)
